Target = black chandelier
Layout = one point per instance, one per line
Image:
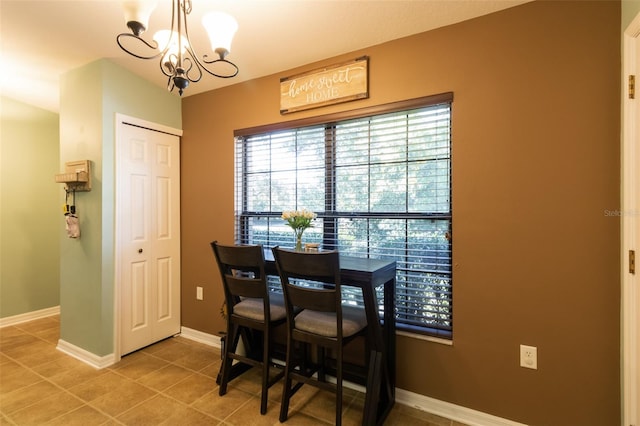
(180, 65)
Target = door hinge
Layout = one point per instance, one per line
(632, 86)
(632, 261)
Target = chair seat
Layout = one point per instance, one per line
(325, 324)
(254, 309)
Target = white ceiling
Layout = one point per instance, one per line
(42, 39)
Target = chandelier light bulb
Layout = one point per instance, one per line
(169, 39)
(137, 14)
(221, 28)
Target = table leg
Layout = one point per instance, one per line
(372, 398)
(390, 332)
(380, 396)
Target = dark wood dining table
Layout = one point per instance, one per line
(369, 275)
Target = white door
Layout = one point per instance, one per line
(148, 227)
(631, 226)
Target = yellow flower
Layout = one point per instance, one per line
(299, 219)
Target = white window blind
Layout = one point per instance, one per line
(381, 186)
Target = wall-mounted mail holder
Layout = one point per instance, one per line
(76, 176)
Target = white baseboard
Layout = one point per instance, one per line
(29, 316)
(199, 336)
(85, 356)
(108, 360)
(451, 411)
(420, 402)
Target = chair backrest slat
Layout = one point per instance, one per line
(316, 268)
(312, 298)
(245, 287)
(242, 272)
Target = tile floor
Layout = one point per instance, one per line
(169, 383)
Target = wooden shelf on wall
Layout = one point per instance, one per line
(77, 176)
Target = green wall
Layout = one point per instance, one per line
(90, 97)
(30, 209)
(630, 9)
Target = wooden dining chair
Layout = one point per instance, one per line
(251, 305)
(317, 317)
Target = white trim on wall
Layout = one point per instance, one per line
(451, 411)
(199, 336)
(85, 356)
(69, 349)
(29, 316)
(629, 228)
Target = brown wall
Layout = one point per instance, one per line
(535, 166)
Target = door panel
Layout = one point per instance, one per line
(166, 239)
(164, 289)
(148, 229)
(164, 208)
(139, 296)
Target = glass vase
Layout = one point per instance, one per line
(299, 240)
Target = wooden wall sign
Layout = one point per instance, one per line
(326, 86)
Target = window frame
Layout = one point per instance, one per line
(405, 105)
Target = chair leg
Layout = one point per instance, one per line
(265, 372)
(229, 347)
(286, 385)
(321, 363)
(339, 387)
(307, 366)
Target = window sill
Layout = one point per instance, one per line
(440, 340)
(444, 337)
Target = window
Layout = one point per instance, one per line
(381, 186)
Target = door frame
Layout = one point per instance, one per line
(630, 169)
(123, 120)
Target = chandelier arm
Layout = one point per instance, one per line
(194, 65)
(153, 45)
(192, 58)
(186, 7)
(167, 64)
(221, 59)
(169, 60)
(201, 64)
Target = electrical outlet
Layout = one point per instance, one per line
(199, 294)
(529, 357)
